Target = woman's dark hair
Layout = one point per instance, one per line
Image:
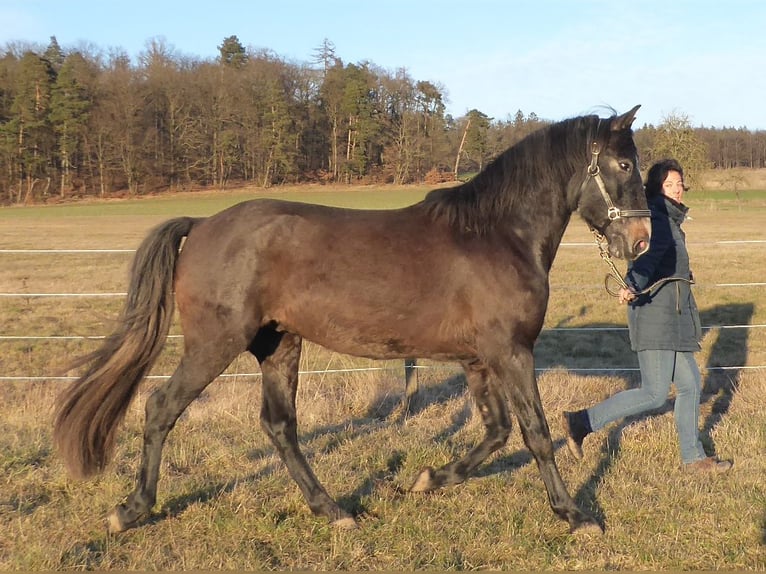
(657, 174)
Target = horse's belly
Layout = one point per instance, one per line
(352, 327)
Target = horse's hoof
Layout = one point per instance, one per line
(424, 482)
(114, 523)
(345, 523)
(589, 529)
(117, 521)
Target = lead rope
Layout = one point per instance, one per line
(614, 274)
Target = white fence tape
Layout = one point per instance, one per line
(564, 244)
(363, 369)
(553, 288)
(391, 369)
(101, 337)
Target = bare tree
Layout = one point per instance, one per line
(676, 138)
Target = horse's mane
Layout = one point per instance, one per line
(512, 182)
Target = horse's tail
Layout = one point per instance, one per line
(90, 410)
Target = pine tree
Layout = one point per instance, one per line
(232, 52)
(29, 121)
(69, 110)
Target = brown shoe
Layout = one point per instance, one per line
(709, 465)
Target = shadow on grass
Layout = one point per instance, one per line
(729, 349)
(85, 555)
(376, 418)
(176, 505)
(352, 502)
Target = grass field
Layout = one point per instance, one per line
(225, 500)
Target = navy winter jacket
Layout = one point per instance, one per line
(667, 318)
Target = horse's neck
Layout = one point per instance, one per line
(524, 197)
(543, 215)
(542, 235)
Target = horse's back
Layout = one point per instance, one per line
(382, 283)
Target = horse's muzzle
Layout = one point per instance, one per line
(630, 238)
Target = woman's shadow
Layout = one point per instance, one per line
(728, 352)
(564, 348)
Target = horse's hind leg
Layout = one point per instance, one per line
(410, 383)
(494, 413)
(279, 355)
(196, 370)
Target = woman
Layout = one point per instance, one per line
(664, 328)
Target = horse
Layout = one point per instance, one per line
(467, 267)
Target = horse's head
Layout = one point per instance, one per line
(612, 199)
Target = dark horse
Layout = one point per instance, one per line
(460, 276)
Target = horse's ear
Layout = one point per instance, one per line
(624, 121)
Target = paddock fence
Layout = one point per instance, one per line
(756, 243)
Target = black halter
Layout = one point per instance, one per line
(612, 212)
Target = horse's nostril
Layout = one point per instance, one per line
(640, 247)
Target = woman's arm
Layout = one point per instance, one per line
(644, 269)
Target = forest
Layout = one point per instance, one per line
(80, 122)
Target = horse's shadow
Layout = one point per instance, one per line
(563, 348)
(728, 351)
(384, 410)
(555, 348)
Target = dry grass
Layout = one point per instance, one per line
(226, 501)
(725, 179)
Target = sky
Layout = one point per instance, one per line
(701, 60)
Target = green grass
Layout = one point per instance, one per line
(743, 196)
(225, 500)
(206, 203)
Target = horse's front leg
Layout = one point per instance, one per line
(517, 374)
(494, 412)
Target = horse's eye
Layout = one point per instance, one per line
(625, 166)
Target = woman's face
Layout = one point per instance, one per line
(673, 186)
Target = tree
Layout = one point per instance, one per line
(325, 56)
(232, 52)
(162, 113)
(70, 106)
(350, 100)
(71, 119)
(476, 132)
(675, 138)
(430, 109)
(29, 122)
(455, 171)
(734, 180)
(8, 132)
(330, 96)
(359, 107)
(270, 121)
(122, 132)
(54, 55)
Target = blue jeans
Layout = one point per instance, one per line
(659, 369)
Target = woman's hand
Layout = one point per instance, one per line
(626, 295)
